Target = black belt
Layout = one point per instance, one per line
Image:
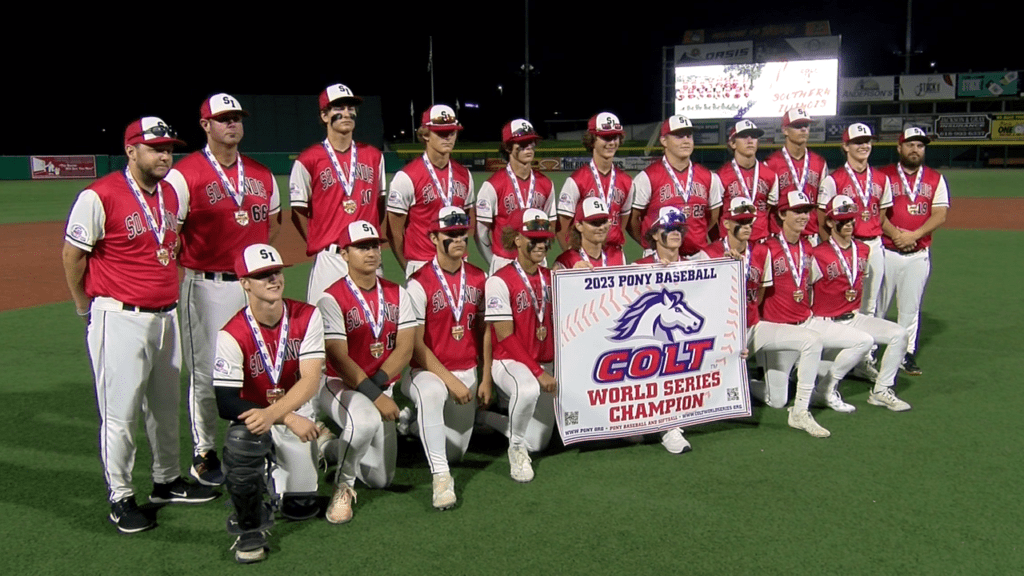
(333, 248)
(866, 238)
(225, 276)
(842, 317)
(130, 308)
(904, 252)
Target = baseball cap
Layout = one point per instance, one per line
(741, 209)
(532, 223)
(152, 131)
(518, 131)
(914, 133)
(605, 124)
(338, 92)
(842, 208)
(450, 219)
(590, 209)
(794, 199)
(220, 104)
(676, 123)
(440, 118)
(796, 117)
(744, 127)
(359, 232)
(258, 258)
(664, 217)
(857, 130)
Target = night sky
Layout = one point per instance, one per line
(73, 87)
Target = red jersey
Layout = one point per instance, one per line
(499, 197)
(314, 185)
(654, 187)
(611, 256)
(212, 231)
(912, 214)
(868, 223)
(345, 319)
(817, 170)
(581, 185)
(239, 363)
(767, 188)
(123, 262)
(833, 295)
(509, 298)
(759, 273)
(787, 301)
(452, 341)
(414, 195)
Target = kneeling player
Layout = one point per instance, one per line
(369, 328)
(664, 230)
(446, 296)
(587, 239)
(523, 339)
(268, 364)
(838, 276)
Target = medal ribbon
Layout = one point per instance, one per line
(538, 304)
(799, 181)
(796, 273)
(911, 192)
(586, 257)
(349, 184)
(683, 191)
(743, 183)
(455, 304)
(158, 231)
(239, 194)
(518, 191)
(376, 323)
(851, 276)
(446, 193)
(606, 196)
(273, 368)
(865, 195)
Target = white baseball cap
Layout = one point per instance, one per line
(358, 232)
(338, 92)
(797, 116)
(676, 123)
(151, 131)
(220, 104)
(740, 208)
(258, 258)
(450, 219)
(857, 130)
(914, 133)
(592, 208)
(745, 127)
(794, 199)
(842, 208)
(605, 124)
(440, 118)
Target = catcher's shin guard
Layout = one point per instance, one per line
(245, 457)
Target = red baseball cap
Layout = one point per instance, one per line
(914, 134)
(857, 131)
(605, 124)
(671, 213)
(450, 219)
(440, 118)
(358, 232)
(793, 199)
(220, 104)
(151, 131)
(532, 223)
(338, 93)
(590, 209)
(677, 123)
(518, 131)
(842, 208)
(258, 258)
(796, 117)
(745, 127)
(741, 209)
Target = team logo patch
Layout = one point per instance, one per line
(220, 366)
(393, 196)
(663, 316)
(78, 232)
(494, 303)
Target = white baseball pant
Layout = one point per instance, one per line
(882, 332)
(296, 471)
(768, 340)
(906, 275)
(367, 445)
(873, 278)
(531, 411)
(444, 426)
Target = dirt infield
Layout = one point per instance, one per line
(33, 274)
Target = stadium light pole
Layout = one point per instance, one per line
(906, 50)
(526, 68)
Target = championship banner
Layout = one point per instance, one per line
(643, 349)
(867, 89)
(1008, 127)
(62, 167)
(928, 87)
(987, 84)
(962, 127)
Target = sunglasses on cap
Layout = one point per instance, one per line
(160, 131)
(672, 221)
(537, 225)
(844, 209)
(524, 131)
(453, 220)
(444, 118)
(744, 209)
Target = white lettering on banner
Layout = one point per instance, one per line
(647, 348)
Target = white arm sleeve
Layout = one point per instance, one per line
(406, 316)
(228, 364)
(177, 182)
(86, 221)
(418, 301)
(568, 198)
(312, 345)
(402, 195)
(826, 192)
(299, 188)
(332, 317)
(275, 196)
(886, 200)
(382, 177)
(715, 194)
(498, 305)
(941, 197)
(640, 191)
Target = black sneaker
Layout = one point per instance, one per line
(250, 547)
(129, 519)
(910, 365)
(180, 490)
(206, 469)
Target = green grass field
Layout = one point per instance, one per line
(932, 491)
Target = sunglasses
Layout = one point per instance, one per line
(537, 225)
(672, 221)
(845, 209)
(160, 131)
(526, 130)
(745, 209)
(454, 220)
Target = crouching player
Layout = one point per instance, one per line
(588, 237)
(268, 364)
(523, 339)
(446, 296)
(369, 328)
(838, 276)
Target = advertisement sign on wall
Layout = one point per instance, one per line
(962, 126)
(867, 89)
(1008, 127)
(987, 84)
(928, 87)
(61, 167)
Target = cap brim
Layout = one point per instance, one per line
(155, 141)
(608, 133)
(756, 133)
(798, 123)
(521, 139)
(225, 113)
(922, 139)
(860, 138)
(537, 234)
(344, 100)
(444, 127)
(275, 267)
(451, 229)
(364, 241)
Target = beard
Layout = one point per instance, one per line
(911, 162)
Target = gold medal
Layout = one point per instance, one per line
(851, 295)
(274, 394)
(458, 332)
(798, 295)
(377, 349)
(542, 333)
(163, 255)
(865, 215)
(349, 206)
(242, 217)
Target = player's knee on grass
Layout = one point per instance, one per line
(245, 457)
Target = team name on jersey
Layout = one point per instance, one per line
(813, 179)
(470, 295)
(833, 271)
(291, 352)
(849, 190)
(510, 204)
(926, 190)
(617, 196)
(354, 316)
(668, 191)
(364, 172)
(457, 188)
(136, 225)
(253, 187)
(524, 302)
(735, 189)
(779, 266)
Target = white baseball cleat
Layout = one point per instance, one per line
(519, 460)
(886, 397)
(674, 442)
(802, 420)
(406, 418)
(835, 401)
(339, 511)
(444, 491)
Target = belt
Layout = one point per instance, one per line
(225, 276)
(333, 248)
(130, 308)
(866, 238)
(905, 252)
(842, 317)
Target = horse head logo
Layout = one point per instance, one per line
(661, 315)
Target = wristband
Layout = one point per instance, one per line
(369, 389)
(380, 378)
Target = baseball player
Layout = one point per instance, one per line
(518, 187)
(426, 184)
(797, 167)
(522, 338)
(226, 202)
(837, 273)
(665, 230)
(920, 201)
(447, 299)
(369, 329)
(334, 183)
(599, 178)
(122, 226)
(587, 239)
(744, 176)
(871, 191)
(675, 177)
(269, 358)
(788, 301)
